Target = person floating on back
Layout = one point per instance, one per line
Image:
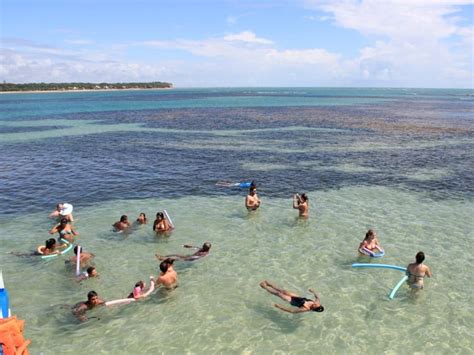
(301, 203)
(417, 271)
(252, 202)
(242, 185)
(201, 252)
(303, 304)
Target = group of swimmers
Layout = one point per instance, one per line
(168, 277)
(160, 225)
(370, 246)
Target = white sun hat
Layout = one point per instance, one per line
(66, 209)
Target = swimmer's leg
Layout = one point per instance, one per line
(284, 295)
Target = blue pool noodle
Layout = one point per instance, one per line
(398, 285)
(382, 266)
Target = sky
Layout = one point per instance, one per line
(245, 43)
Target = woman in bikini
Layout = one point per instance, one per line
(303, 304)
(416, 272)
(161, 224)
(65, 230)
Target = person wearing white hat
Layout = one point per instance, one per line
(63, 210)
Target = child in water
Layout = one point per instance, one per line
(139, 289)
(90, 272)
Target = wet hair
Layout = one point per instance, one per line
(50, 243)
(140, 284)
(304, 197)
(160, 215)
(165, 264)
(318, 309)
(76, 248)
(142, 214)
(420, 257)
(206, 246)
(64, 220)
(91, 294)
(123, 218)
(90, 269)
(252, 188)
(370, 233)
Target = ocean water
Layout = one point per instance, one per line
(397, 160)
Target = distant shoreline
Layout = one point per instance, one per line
(78, 90)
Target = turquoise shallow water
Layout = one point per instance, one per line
(399, 163)
(219, 306)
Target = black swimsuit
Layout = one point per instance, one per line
(298, 301)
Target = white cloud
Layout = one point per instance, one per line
(417, 42)
(411, 43)
(25, 67)
(78, 41)
(247, 37)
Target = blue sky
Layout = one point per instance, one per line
(210, 43)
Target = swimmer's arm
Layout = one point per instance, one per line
(74, 233)
(174, 257)
(316, 296)
(62, 246)
(190, 246)
(54, 230)
(295, 202)
(428, 272)
(80, 312)
(150, 290)
(289, 310)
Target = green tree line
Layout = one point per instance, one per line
(82, 86)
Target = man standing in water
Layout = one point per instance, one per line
(168, 277)
(252, 202)
(416, 272)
